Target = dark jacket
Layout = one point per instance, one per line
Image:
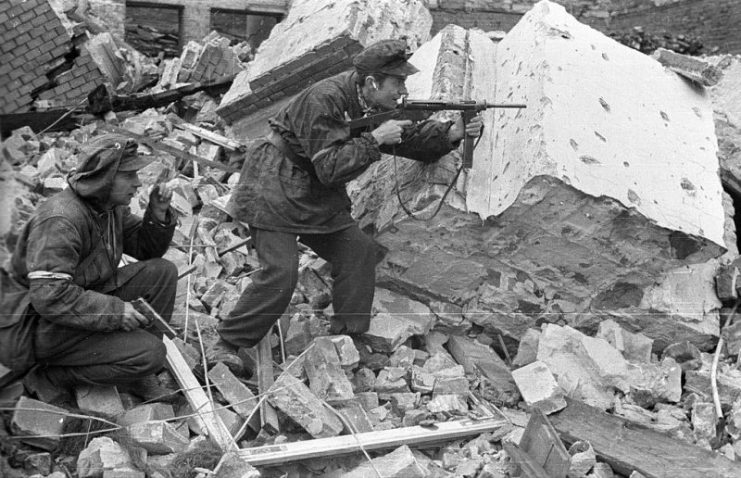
(67, 257)
(307, 194)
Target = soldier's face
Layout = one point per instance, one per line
(124, 187)
(387, 92)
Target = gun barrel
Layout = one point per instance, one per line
(463, 105)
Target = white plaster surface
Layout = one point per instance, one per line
(604, 118)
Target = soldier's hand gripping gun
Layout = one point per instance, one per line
(410, 109)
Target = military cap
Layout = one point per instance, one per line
(385, 56)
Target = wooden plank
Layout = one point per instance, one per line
(265, 380)
(627, 446)
(198, 399)
(377, 440)
(154, 144)
(542, 443)
(215, 138)
(527, 465)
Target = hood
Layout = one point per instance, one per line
(93, 178)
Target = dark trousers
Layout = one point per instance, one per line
(73, 356)
(352, 256)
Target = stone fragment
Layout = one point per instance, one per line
(369, 400)
(448, 404)
(527, 351)
(390, 380)
(234, 466)
(690, 67)
(443, 365)
(451, 385)
(419, 316)
(355, 414)
(298, 335)
(422, 381)
(402, 402)
(240, 398)
(99, 399)
(346, 350)
(387, 333)
(414, 417)
(686, 354)
(587, 368)
(38, 423)
(400, 463)
(146, 413)
(704, 420)
(295, 399)
(449, 317)
(471, 353)
(634, 347)
(157, 437)
(435, 343)
(215, 293)
(37, 463)
(583, 459)
(100, 455)
(657, 382)
(363, 380)
(602, 470)
(327, 379)
(539, 388)
(403, 357)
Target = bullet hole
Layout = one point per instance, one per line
(592, 45)
(604, 105)
(574, 144)
(589, 160)
(604, 140)
(633, 197)
(664, 116)
(697, 111)
(687, 185)
(605, 57)
(626, 164)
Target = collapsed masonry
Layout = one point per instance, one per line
(601, 199)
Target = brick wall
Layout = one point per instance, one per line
(715, 22)
(31, 37)
(39, 58)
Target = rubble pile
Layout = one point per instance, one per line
(561, 218)
(640, 40)
(564, 290)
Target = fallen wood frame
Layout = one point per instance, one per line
(158, 145)
(629, 447)
(198, 400)
(322, 447)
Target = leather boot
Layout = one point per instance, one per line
(149, 389)
(226, 353)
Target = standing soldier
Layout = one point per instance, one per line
(292, 186)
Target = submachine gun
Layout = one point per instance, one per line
(411, 109)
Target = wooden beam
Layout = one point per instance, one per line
(265, 380)
(628, 447)
(528, 467)
(155, 144)
(198, 400)
(323, 447)
(542, 443)
(223, 141)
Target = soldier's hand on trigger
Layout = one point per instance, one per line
(390, 131)
(132, 319)
(473, 128)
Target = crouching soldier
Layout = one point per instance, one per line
(65, 302)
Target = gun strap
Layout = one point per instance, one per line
(303, 163)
